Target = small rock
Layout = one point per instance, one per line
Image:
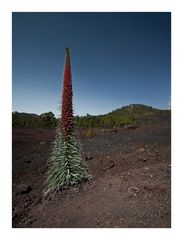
(76, 189)
(132, 191)
(148, 187)
(84, 187)
(41, 143)
(131, 127)
(88, 158)
(108, 157)
(28, 222)
(27, 161)
(107, 223)
(111, 164)
(23, 188)
(141, 150)
(157, 152)
(97, 220)
(146, 169)
(143, 159)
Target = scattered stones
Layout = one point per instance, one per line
(23, 188)
(111, 192)
(132, 191)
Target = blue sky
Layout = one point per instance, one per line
(117, 59)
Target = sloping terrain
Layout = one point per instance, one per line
(131, 185)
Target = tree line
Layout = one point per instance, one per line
(34, 121)
(132, 114)
(49, 120)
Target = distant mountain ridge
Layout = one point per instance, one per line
(28, 115)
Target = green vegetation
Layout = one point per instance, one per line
(132, 114)
(25, 120)
(90, 133)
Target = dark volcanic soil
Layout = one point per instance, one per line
(130, 187)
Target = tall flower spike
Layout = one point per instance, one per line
(67, 110)
(65, 165)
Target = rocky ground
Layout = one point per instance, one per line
(131, 185)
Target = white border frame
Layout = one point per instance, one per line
(7, 7)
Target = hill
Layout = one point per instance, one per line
(132, 114)
(25, 115)
(135, 110)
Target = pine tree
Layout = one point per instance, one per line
(65, 164)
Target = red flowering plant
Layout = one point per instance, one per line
(65, 166)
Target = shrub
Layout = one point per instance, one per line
(90, 133)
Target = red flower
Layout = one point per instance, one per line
(67, 110)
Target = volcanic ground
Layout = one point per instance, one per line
(130, 185)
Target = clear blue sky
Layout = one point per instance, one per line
(117, 59)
